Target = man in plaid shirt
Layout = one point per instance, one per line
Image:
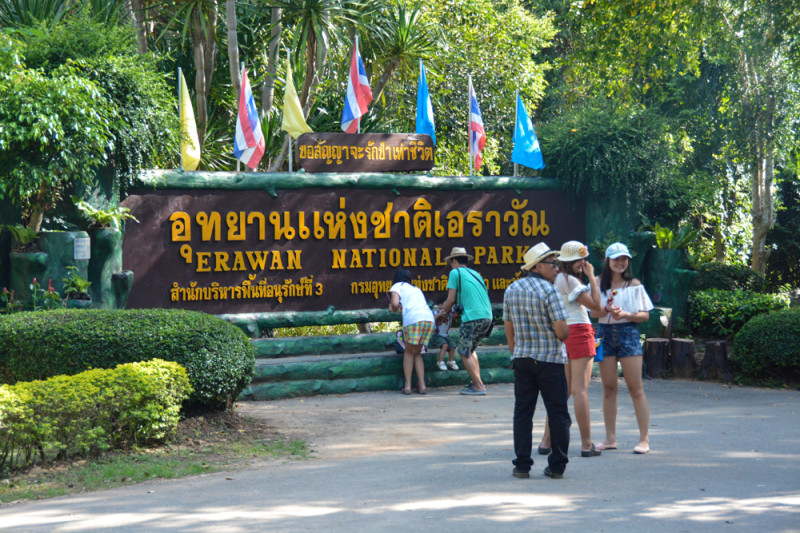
(535, 322)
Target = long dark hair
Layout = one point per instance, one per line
(402, 275)
(606, 275)
(566, 268)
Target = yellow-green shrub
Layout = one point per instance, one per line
(96, 410)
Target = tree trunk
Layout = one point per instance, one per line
(268, 92)
(136, 9)
(278, 162)
(233, 48)
(384, 79)
(308, 83)
(200, 84)
(205, 53)
(762, 178)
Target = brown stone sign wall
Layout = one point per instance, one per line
(307, 249)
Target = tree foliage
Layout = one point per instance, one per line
(54, 130)
(603, 146)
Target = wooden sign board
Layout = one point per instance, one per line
(365, 152)
(306, 249)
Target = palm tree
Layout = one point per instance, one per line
(317, 26)
(195, 20)
(404, 40)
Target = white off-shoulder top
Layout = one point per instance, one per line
(630, 299)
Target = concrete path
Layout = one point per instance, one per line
(723, 459)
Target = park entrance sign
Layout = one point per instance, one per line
(242, 243)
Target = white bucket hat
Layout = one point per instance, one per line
(457, 251)
(573, 251)
(536, 254)
(617, 250)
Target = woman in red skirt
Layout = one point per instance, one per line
(579, 298)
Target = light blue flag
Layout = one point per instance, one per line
(526, 145)
(424, 107)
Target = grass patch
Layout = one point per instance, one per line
(213, 442)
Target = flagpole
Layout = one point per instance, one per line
(469, 121)
(241, 80)
(180, 117)
(359, 118)
(288, 73)
(516, 111)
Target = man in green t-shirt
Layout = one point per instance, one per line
(467, 288)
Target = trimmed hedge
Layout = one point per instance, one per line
(88, 413)
(218, 357)
(767, 346)
(727, 278)
(717, 313)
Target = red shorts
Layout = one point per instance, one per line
(580, 342)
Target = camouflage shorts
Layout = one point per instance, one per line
(470, 335)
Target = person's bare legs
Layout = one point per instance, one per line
(410, 354)
(632, 371)
(473, 368)
(580, 373)
(545, 444)
(419, 366)
(609, 375)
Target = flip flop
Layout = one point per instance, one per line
(602, 447)
(590, 453)
(641, 450)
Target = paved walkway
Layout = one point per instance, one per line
(723, 459)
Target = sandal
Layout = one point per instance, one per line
(422, 391)
(405, 391)
(590, 453)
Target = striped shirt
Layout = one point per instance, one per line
(532, 304)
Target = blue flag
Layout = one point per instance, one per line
(526, 145)
(424, 107)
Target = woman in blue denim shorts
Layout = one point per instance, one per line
(626, 303)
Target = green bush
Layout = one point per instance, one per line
(719, 313)
(767, 346)
(216, 354)
(716, 275)
(88, 413)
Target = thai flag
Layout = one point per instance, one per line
(248, 145)
(358, 96)
(477, 136)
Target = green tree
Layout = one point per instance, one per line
(739, 51)
(499, 43)
(54, 131)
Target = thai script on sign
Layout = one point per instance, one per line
(388, 223)
(247, 290)
(367, 152)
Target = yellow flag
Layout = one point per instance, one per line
(190, 144)
(294, 121)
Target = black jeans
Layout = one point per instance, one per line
(530, 378)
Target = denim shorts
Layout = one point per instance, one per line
(620, 340)
(470, 335)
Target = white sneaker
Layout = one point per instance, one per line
(441, 365)
(453, 365)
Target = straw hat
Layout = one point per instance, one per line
(617, 250)
(457, 251)
(573, 251)
(536, 254)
